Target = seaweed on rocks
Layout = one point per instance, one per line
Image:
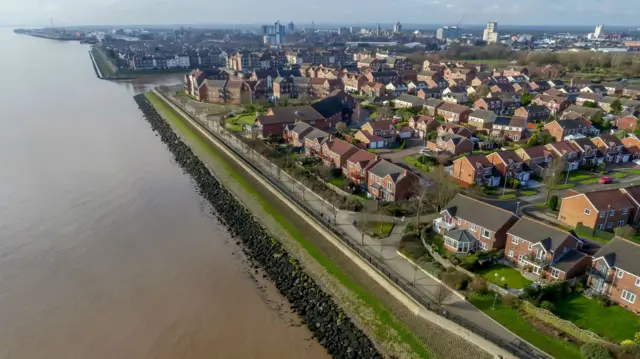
(324, 318)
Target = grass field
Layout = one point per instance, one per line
(513, 320)
(633, 171)
(378, 229)
(107, 68)
(390, 325)
(236, 123)
(512, 278)
(620, 324)
(490, 62)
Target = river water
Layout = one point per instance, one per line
(106, 251)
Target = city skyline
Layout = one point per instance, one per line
(163, 12)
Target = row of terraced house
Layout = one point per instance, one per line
(551, 254)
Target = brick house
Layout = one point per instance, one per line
(475, 169)
(454, 112)
(336, 152)
(613, 88)
(537, 158)
(338, 106)
(533, 113)
(294, 134)
(390, 182)
(586, 112)
(382, 128)
(633, 193)
(354, 82)
(589, 152)
(423, 124)
(283, 88)
(502, 87)
(588, 97)
(425, 75)
(277, 118)
(432, 105)
(632, 146)
(358, 165)
(611, 148)
(561, 129)
(546, 251)
(515, 71)
(453, 144)
(314, 140)
(511, 128)
(555, 104)
(539, 86)
(489, 104)
(615, 273)
(603, 210)
(469, 224)
(509, 165)
(429, 93)
(482, 119)
(454, 129)
(370, 140)
(383, 77)
(631, 91)
(568, 151)
(628, 123)
(408, 101)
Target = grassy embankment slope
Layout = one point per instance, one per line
(390, 324)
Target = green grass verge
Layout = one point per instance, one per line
(618, 175)
(378, 229)
(106, 67)
(513, 320)
(381, 312)
(512, 278)
(528, 192)
(580, 176)
(620, 324)
(633, 171)
(507, 196)
(338, 181)
(236, 123)
(590, 181)
(564, 186)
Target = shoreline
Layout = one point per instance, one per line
(324, 318)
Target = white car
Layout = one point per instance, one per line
(636, 161)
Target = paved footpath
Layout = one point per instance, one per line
(384, 249)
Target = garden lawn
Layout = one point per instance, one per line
(590, 181)
(512, 277)
(580, 176)
(236, 123)
(564, 186)
(338, 182)
(633, 171)
(507, 196)
(378, 229)
(530, 192)
(618, 175)
(613, 322)
(513, 320)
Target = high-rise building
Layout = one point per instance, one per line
(378, 30)
(273, 34)
(440, 34)
(598, 31)
(490, 34)
(343, 30)
(397, 27)
(291, 27)
(355, 29)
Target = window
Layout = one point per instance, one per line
(483, 246)
(620, 273)
(486, 233)
(612, 212)
(587, 211)
(515, 240)
(472, 226)
(389, 186)
(510, 253)
(610, 225)
(530, 247)
(628, 296)
(601, 226)
(371, 176)
(459, 221)
(638, 282)
(620, 223)
(520, 258)
(602, 214)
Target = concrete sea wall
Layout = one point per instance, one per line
(328, 323)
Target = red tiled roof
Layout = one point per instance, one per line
(340, 147)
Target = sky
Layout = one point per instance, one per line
(431, 12)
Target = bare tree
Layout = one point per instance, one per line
(443, 189)
(341, 126)
(421, 194)
(367, 210)
(553, 174)
(385, 112)
(442, 293)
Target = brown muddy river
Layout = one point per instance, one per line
(106, 251)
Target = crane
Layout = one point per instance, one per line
(458, 26)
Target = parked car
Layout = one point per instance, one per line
(605, 180)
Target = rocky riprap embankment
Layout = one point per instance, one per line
(328, 323)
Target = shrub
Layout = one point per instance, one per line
(553, 202)
(408, 228)
(478, 285)
(579, 287)
(548, 306)
(595, 351)
(511, 301)
(603, 301)
(515, 184)
(455, 279)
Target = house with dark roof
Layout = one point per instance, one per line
(586, 112)
(338, 106)
(589, 152)
(314, 140)
(568, 151)
(452, 144)
(633, 193)
(615, 273)
(510, 165)
(431, 105)
(492, 104)
(482, 119)
(278, 118)
(537, 158)
(408, 101)
(423, 124)
(454, 129)
(358, 165)
(563, 130)
(475, 169)
(294, 133)
(555, 104)
(390, 182)
(603, 210)
(512, 128)
(469, 224)
(453, 112)
(544, 251)
(611, 148)
(533, 113)
(335, 153)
